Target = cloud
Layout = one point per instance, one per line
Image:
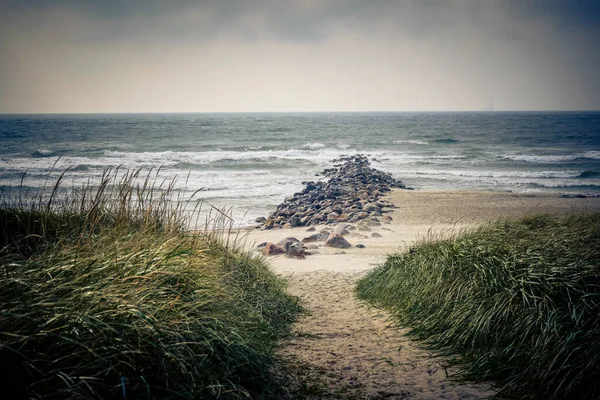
(297, 55)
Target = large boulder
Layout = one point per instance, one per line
(337, 240)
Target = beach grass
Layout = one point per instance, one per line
(515, 303)
(105, 293)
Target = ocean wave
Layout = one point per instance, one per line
(592, 155)
(409, 141)
(320, 156)
(227, 159)
(589, 174)
(500, 174)
(495, 183)
(446, 140)
(549, 159)
(42, 153)
(313, 146)
(566, 184)
(279, 130)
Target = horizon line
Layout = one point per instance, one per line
(296, 112)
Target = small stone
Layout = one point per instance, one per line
(375, 234)
(287, 242)
(311, 229)
(295, 250)
(322, 237)
(272, 249)
(312, 238)
(360, 246)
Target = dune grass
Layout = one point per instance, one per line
(105, 294)
(515, 303)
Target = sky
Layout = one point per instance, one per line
(87, 56)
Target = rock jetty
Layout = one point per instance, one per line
(351, 191)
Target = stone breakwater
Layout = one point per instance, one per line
(351, 191)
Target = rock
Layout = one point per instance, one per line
(296, 250)
(322, 237)
(375, 234)
(287, 242)
(311, 229)
(349, 192)
(360, 246)
(364, 228)
(372, 208)
(312, 238)
(261, 245)
(260, 220)
(341, 229)
(336, 240)
(272, 249)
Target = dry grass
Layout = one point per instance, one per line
(516, 302)
(104, 293)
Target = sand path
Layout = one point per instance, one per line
(356, 352)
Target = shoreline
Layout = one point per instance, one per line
(550, 202)
(417, 214)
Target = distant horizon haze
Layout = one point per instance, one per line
(309, 112)
(150, 56)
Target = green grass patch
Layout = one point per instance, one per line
(105, 294)
(515, 303)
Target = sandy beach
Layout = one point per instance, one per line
(360, 353)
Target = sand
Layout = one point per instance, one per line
(357, 350)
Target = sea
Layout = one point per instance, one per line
(247, 163)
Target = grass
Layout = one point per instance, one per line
(105, 293)
(515, 303)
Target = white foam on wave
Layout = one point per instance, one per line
(594, 155)
(42, 153)
(313, 146)
(55, 163)
(495, 180)
(497, 174)
(209, 157)
(320, 157)
(410, 141)
(549, 159)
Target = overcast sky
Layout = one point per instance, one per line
(298, 55)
